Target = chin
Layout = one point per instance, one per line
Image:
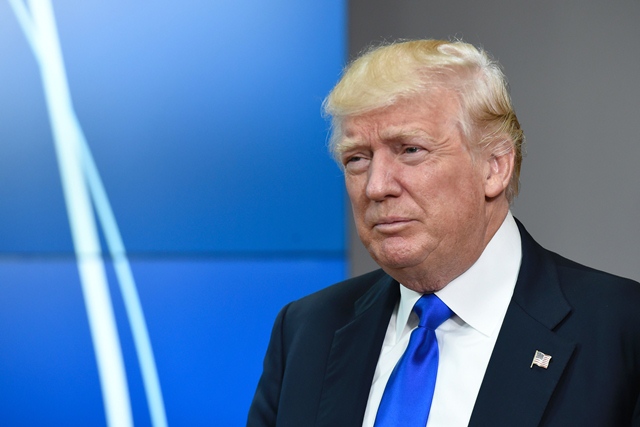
(398, 253)
(395, 261)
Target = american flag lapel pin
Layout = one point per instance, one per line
(540, 359)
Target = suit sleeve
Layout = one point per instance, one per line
(264, 408)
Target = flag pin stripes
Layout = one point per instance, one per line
(540, 359)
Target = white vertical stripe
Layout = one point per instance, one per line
(67, 138)
(92, 268)
(128, 289)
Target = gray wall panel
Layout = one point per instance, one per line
(573, 68)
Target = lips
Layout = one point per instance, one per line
(391, 224)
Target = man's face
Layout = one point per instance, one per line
(418, 197)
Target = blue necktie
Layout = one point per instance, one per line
(407, 397)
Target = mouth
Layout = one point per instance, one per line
(391, 225)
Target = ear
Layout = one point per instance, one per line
(498, 170)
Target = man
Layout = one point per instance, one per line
(431, 151)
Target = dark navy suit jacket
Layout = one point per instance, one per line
(324, 349)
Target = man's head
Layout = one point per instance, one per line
(431, 149)
(384, 75)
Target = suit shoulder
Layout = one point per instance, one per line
(588, 276)
(571, 273)
(339, 294)
(333, 306)
(584, 285)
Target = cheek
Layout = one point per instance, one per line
(449, 196)
(356, 192)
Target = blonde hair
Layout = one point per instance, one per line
(384, 75)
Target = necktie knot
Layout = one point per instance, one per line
(431, 311)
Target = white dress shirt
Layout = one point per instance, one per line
(479, 298)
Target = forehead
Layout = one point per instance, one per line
(435, 115)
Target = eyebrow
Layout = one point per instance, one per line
(347, 144)
(388, 134)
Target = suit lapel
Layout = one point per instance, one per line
(513, 392)
(354, 356)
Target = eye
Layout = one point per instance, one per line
(353, 158)
(412, 150)
(412, 154)
(355, 163)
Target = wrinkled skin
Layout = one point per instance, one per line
(424, 205)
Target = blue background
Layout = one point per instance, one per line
(204, 119)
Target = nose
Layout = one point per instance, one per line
(382, 182)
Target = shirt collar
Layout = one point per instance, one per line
(479, 296)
